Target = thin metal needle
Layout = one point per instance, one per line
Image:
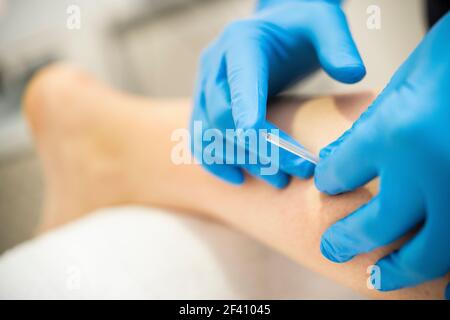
(292, 148)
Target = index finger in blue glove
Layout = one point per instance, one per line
(375, 224)
(346, 167)
(346, 163)
(425, 256)
(228, 173)
(417, 261)
(218, 98)
(274, 163)
(289, 162)
(248, 75)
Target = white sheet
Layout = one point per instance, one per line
(148, 254)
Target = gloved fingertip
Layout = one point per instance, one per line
(233, 176)
(322, 181)
(300, 168)
(329, 251)
(246, 123)
(387, 282)
(447, 292)
(308, 169)
(294, 165)
(237, 180)
(350, 74)
(280, 182)
(318, 180)
(325, 152)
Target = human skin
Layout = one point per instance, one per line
(100, 148)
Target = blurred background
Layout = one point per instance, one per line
(148, 47)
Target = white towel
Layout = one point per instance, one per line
(137, 253)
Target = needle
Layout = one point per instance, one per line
(292, 148)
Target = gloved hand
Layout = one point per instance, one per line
(404, 138)
(258, 57)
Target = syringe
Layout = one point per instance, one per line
(292, 148)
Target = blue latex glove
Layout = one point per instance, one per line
(404, 138)
(260, 56)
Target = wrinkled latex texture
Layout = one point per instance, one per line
(404, 139)
(254, 59)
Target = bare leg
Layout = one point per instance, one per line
(102, 148)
